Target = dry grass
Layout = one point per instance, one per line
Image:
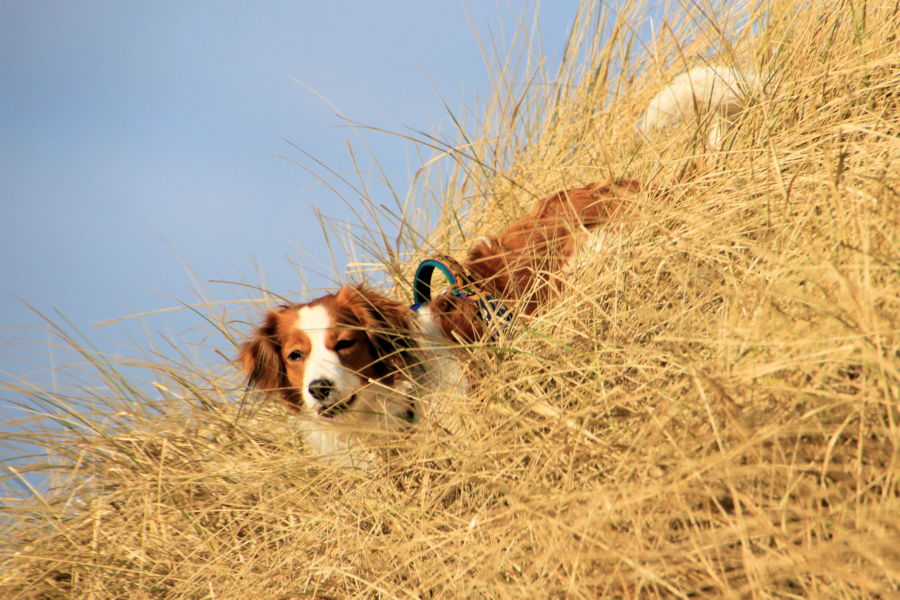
(712, 409)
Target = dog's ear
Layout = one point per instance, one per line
(388, 324)
(260, 359)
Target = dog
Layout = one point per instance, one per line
(715, 91)
(356, 361)
(348, 360)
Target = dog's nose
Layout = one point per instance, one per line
(321, 389)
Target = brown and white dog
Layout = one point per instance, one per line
(344, 361)
(356, 360)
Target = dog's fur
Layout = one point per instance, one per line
(357, 361)
(717, 91)
(522, 265)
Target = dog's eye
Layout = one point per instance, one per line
(296, 355)
(344, 344)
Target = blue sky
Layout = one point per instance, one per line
(132, 131)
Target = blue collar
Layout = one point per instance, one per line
(493, 313)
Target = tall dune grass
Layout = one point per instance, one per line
(711, 409)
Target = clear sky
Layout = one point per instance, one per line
(130, 131)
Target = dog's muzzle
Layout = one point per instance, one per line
(323, 391)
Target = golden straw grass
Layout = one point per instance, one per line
(711, 409)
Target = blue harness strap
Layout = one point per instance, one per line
(491, 309)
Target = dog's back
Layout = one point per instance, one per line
(544, 241)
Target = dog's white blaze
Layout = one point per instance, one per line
(323, 363)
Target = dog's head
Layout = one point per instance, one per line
(327, 354)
